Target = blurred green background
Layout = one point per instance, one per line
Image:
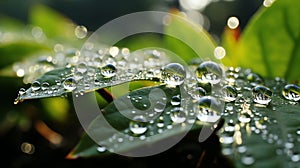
(22, 140)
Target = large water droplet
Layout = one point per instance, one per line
(36, 85)
(229, 93)
(262, 95)
(209, 72)
(108, 71)
(208, 109)
(178, 115)
(291, 92)
(69, 84)
(138, 125)
(80, 32)
(173, 74)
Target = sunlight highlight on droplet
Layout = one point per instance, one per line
(219, 52)
(20, 72)
(268, 3)
(113, 51)
(233, 22)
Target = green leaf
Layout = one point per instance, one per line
(16, 51)
(115, 116)
(54, 25)
(270, 42)
(93, 75)
(188, 40)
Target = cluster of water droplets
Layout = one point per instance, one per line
(250, 114)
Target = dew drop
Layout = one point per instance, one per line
(291, 92)
(219, 52)
(138, 125)
(160, 122)
(209, 72)
(255, 79)
(177, 115)
(81, 67)
(295, 157)
(22, 91)
(247, 160)
(262, 95)
(208, 109)
(45, 86)
(101, 149)
(244, 118)
(229, 93)
(159, 107)
(108, 71)
(233, 22)
(69, 84)
(175, 100)
(35, 85)
(81, 32)
(173, 74)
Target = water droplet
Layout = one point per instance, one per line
(219, 52)
(229, 93)
(198, 92)
(160, 122)
(108, 71)
(81, 32)
(208, 109)
(291, 92)
(227, 137)
(35, 85)
(175, 100)
(45, 86)
(173, 74)
(101, 149)
(247, 160)
(22, 91)
(69, 84)
(138, 125)
(295, 157)
(159, 107)
(244, 118)
(242, 149)
(262, 95)
(209, 72)
(254, 79)
(233, 22)
(177, 115)
(81, 67)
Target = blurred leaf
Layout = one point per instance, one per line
(88, 148)
(10, 24)
(16, 51)
(187, 39)
(54, 25)
(56, 108)
(270, 43)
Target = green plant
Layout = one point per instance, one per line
(250, 132)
